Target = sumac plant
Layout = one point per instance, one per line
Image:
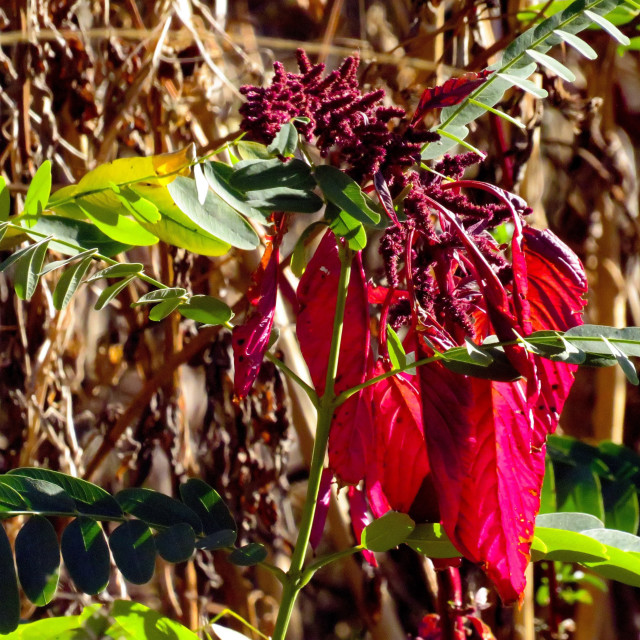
(438, 363)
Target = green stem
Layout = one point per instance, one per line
(326, 407)
(308, 389)
(325, 560)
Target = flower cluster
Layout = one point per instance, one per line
(350, 127)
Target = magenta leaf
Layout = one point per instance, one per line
(359, 520)
(486, 473)
(322, 508)
(250, 340)
(399, 462)
(453, 91)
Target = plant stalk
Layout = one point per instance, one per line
(326, 407)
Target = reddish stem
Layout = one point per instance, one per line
(450, 604)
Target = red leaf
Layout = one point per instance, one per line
(453, 91)
(557, 281)
(250, 339)
(359, 520)
(486, 473)
(430, 628)
(399, 461)
(378, 295)
(322, 508)
(317, 294)
(382, 189)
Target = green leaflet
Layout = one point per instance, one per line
(9, 594)
(27, 274)
(397, 354)
(156, 508)
(134, 551)
(387, 532)
(39, 191)
(86, 555)
(285, 142)
(38, 560)
(214, 216)
(207, 310)
(89, 499)
(208, 505)
(345, 194)
(111, 292)
(118, 271)
(248, 555)
(177, 543)
(69, 282)
(5, 201)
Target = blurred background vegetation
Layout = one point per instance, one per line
(122, 401)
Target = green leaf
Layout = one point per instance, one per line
(27, 273)
(620, 565)
(478, 355)
(118, 227)
(69, 282)
(207, 310)
(134, 551)
(39, 190)
(285, 199)
(40, 495)
(552, 64)
(387, 532)
(300, 256)
(9, 594)
(285, 142)
(5, 200)
(177, 543)
(525, 85)
(157, 509)
(176, 228)
(500, 114)
(58, 264)
(11, 502)
(159, 295)
(217, 175)
(60, 628)
(106, 295)
(397, 354)
(568, 546)
(621, 509)
(78, 233)
(618, 539)
(202, 186)
(578, 490)
(569, 521)
(14, 257)
(86, 555)
(248, 555)
(208, 505)
(254, 175)
(162, 310)
(250, 150)
(459, 360)
(38, 560)
(89, 499)
(218, 540)
(577, 43)
(548, 494)
(214, 216)
(588, 337)
(609, 27)
(430, 540)
(118, 271)
(624, 362)
(134, 621)
(140, 208)
(346, 226)
(4, 226)
(345, 193)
